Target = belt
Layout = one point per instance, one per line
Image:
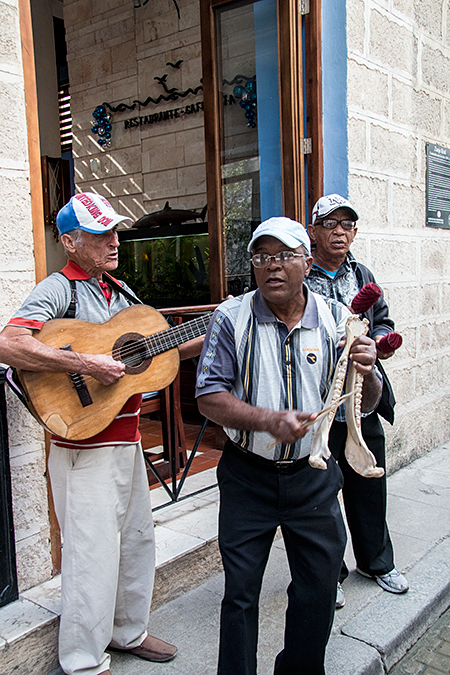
(271, 464)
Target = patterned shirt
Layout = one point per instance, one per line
(343, 286)
(251, 354)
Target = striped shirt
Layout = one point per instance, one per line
(251, 354)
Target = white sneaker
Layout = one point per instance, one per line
(393, 582)
(340, 597)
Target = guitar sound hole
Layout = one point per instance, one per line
(131, 350)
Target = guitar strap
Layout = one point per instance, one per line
(71, 310)
(131, 298)
(107, 278)
(115, 284)
(12, 381)
(11, 376)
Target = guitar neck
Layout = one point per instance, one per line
(157, 343)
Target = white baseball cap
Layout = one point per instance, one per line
(90, 212)
(288, 231)
(329, 203)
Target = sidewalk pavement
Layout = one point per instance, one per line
(375, 628)
(431, 654)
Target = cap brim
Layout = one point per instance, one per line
(284, 237)
(335, 208)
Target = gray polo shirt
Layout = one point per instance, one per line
(50, 299)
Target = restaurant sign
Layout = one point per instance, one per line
(244, 92)
(172, 114)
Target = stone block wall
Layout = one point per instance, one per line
(17, 274)
(115, 52)
(399, 99)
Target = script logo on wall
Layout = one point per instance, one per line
(244, 90)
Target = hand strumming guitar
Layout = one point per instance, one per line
(21, 350)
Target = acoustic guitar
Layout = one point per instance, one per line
(75, 406)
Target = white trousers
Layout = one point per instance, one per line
(102, 502)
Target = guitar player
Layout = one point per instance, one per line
(99, 485)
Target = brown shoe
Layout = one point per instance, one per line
(152, 649)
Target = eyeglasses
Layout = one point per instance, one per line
(281, 258)
(331, 224)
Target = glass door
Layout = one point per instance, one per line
(247, 68)
(253, 124)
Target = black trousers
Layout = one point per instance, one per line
(365, 500)
(254, 500)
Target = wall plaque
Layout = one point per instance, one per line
(438, 186)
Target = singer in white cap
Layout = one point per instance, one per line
(268, 358)
(100, 487)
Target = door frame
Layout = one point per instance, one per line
(299, 58)
(34, 151)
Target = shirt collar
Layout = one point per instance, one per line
(264, 314)
(348, 264)
(74, 272)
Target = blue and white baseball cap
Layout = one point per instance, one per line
(288, 231)
(89, 212)
(329, 203)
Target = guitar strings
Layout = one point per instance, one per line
(131, 358)
(167, 338)
(162, 341)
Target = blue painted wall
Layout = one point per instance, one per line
(334, 95)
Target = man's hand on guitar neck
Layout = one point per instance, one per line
(18, 348)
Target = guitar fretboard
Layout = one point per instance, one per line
(172, 337)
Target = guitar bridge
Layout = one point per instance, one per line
(79, 383)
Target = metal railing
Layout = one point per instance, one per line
(174, 491)
(177, 484)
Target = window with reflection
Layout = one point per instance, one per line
(247, 57)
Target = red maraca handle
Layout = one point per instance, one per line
(390, 342)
